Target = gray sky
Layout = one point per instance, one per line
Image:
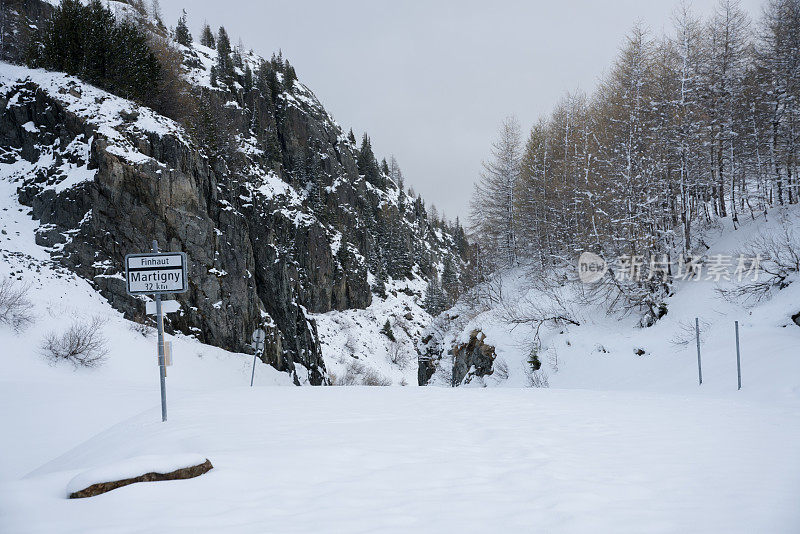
(432, 81)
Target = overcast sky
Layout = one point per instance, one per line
(431, 81)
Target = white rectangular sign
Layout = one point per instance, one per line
(167, 306)
(163, 272)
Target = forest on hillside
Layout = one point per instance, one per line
(685, 129)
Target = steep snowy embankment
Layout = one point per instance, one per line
(48, 408)
(601, 353)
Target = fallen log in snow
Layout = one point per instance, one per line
(153, 468)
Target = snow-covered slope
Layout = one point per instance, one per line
(47, 408)
(601, 353)
(359, 352)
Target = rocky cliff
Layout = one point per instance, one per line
(282, 226)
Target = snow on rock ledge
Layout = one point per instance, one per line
(473, 358)
(109, 112)
(148, 468)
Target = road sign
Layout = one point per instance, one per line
(258, 338)
(156, 273)
(167, 306)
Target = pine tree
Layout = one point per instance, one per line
(351, 137)
(776, 102)
(395, 174)
(155, 14)
(434, 302)
(723, 82)
(88, 42)
(493, 206)
(182, 34)
(367, 165)
(695, 126)
(450, 284)
(247, 82)
(401, 264)
(273, 84)
(273, 145)
(289, 76)
(687, 116)
(205, 127)
(225, 73)
(207, 36)
(236, 56)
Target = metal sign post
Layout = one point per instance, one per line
(162, 368)
(258, 343)
(738, 358)
(155, 274)
(697, 333)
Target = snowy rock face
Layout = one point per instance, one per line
(473, 358)
(18, 17)
(268, 246)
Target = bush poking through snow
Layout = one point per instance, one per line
(373, 378)
(351, 344)
(537, 379)
(686, 333)
(139, 325)
(500, 369)
(357, 374)
(779, 262)
(16, 310)
(398, 355)
(82, 344)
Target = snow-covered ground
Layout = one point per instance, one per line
(435, 460)
(357, 351)
(620, 443)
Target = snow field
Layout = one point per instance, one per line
(436, 460)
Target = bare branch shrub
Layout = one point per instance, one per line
(398, 354)
(352, 373)
(552, 358)
(352, 343)
(357, 374)
(373, 378)
(778, 255)
(82, 344)
(643, 297)
(500, 369)
(16, 310)
(685, 333)
(139, 326)
(537, 379)
(487, 294)
(553, 305)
